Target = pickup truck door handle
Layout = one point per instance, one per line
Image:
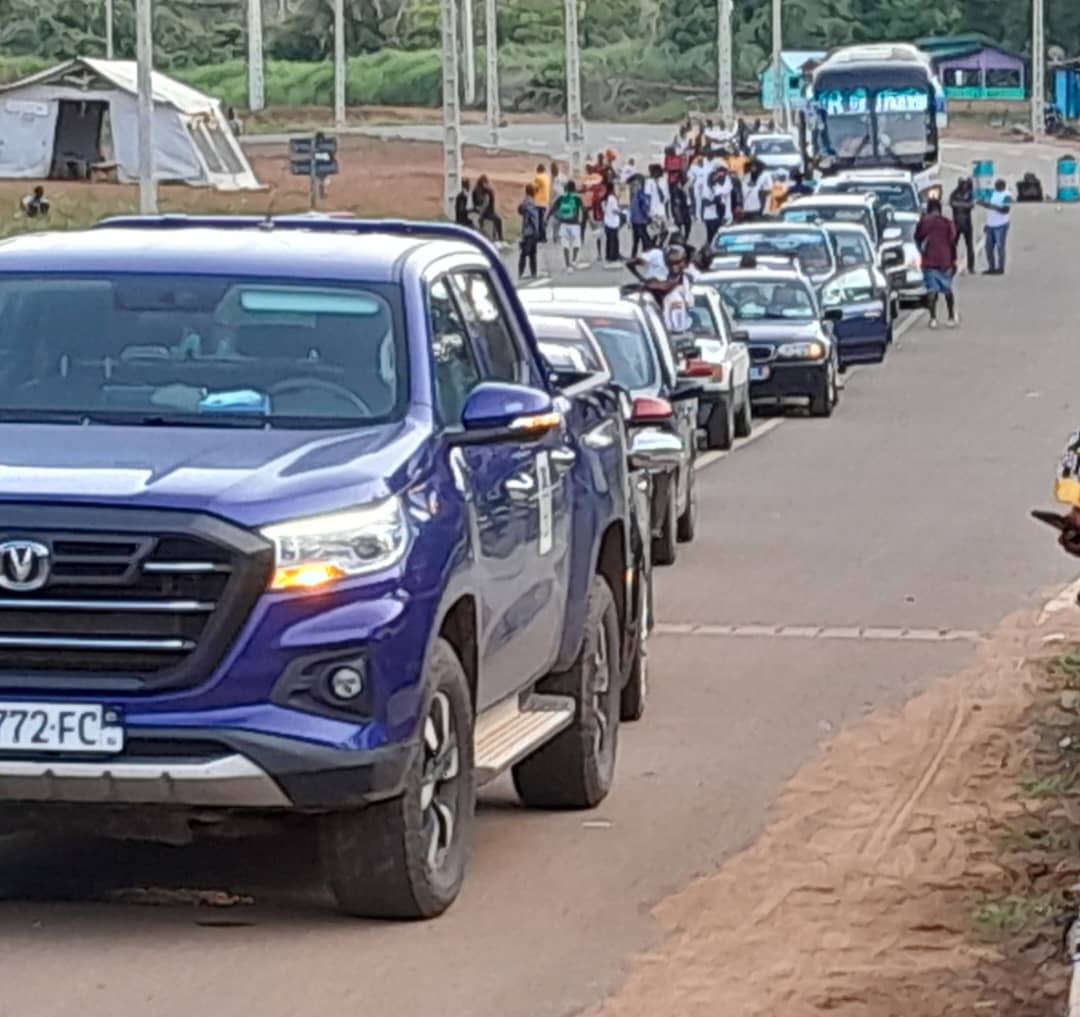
(563, 458)
(521, 486)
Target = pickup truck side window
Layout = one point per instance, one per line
(456, 370)
(491, 332)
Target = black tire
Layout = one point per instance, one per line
(744, 417)
(386, 860)
(576, 768)
(720, 427)
(635, 692)
(688, 520)
(823, 399)
(665, 548)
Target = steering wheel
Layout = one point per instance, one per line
(320, 385)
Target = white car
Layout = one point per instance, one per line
(776, 151)
(912, 289)
(896, 188)
(722, 367)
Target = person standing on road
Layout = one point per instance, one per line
(756, 190)
(680, 205)
(542, 193)
(570, 215)
(531, 217)
(962, 204)
(558, 186)
(998, 209)
(639, 216)
(486, 214)
(936, 237)
(612, 222)
(461, 206)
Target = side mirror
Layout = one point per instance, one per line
(893, 257)
(897, 277)
(740, 336)
(655, 451)
(834, 314)
(684, 345)
(499, 411)
(892, 233)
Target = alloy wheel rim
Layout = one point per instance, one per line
(438, 788)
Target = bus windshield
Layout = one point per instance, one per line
(875, 123)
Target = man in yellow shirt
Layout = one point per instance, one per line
(542, 186)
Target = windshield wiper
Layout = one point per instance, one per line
(35, 416)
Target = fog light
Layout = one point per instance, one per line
(346, 683)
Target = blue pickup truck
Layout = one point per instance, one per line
(294, 520)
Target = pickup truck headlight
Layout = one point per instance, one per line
(802, 351)
(312, 552)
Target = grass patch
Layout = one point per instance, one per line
(1065, 668)
(1011, 914)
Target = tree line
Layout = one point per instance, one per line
(675, 36)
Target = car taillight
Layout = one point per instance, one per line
(650, 410)
(698, 369)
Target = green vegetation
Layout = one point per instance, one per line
(634, 50)
(1009, 914)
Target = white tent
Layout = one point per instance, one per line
(64, 122)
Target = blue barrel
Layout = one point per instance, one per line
(983, 179)
(1068, 181)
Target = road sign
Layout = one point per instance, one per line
(315, 158)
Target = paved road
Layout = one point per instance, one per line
(821, 542)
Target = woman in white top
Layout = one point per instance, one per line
(612, 222)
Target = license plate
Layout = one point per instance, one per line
(760, 373)
(59, 727)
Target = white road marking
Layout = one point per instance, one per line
(760, 430)
(848, 633)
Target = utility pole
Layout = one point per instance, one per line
(575, 124)
(491, 57)
(339, 63)
(469, 41)
(1038, 69)
(256, 79)
(779, 83)
(451, 104)
(109, 51)
(144, 54)
(725, 91)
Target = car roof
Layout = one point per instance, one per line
(750, 274)
(884, 174)
(553, 302)
(768, 227)
(557, 326)
(771, 136)
(288, 253)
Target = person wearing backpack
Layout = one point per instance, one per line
(570, 215)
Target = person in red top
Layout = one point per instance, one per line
(936, 237)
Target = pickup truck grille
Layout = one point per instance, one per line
(153, 603)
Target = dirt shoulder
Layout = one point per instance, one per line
(899, 879)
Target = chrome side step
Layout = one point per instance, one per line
(508, 732)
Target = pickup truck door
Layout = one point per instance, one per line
(521, 498)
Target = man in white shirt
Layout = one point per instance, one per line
(756, 188)
(998, 210)
(650, 265)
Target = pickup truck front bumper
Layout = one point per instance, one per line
(789, 380)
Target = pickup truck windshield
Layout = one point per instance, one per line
(200, 350)
(760, 299)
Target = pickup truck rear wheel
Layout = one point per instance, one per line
(636, 690)
(688, 520)
(576, 768)
(744, 417)
(405, 858)
(720, 428)
(665, 547)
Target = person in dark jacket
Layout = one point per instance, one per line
(487, 216)
(962, 203)
(531, 231)
(936, 237)
(680, 204)
(639, 216)
(461, 206)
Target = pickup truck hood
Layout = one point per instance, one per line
(252, 477)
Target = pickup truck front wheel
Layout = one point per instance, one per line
(665, 547)
(405, 858)
(576, 768)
